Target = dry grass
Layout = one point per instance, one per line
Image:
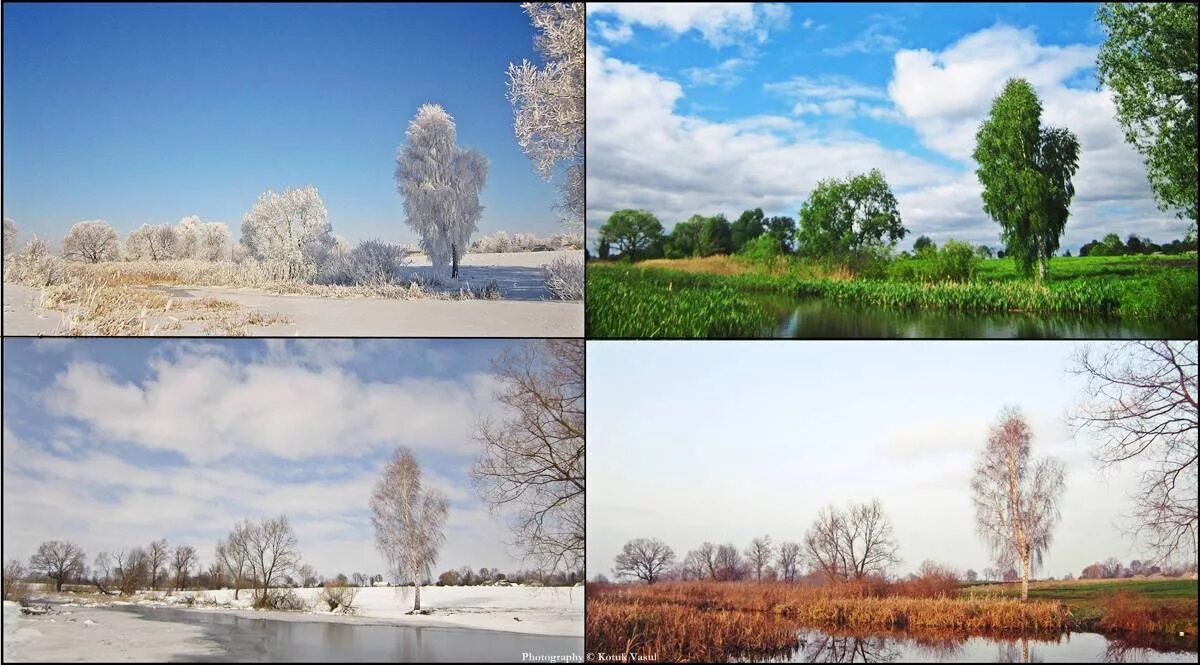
(1130, 612)
(719, 621)
(721, 264)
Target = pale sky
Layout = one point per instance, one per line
(723, 441)
(112, 443)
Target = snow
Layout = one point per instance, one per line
(77, 636)
(556, 611)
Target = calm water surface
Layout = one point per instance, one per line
(817, 317)
(259, 640)
(901, 647)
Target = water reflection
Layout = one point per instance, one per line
(951, 646)
(815, 317)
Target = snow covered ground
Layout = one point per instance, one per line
(517, 609)
(525, 307)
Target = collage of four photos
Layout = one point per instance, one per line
(880, 319)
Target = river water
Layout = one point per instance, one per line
(258, 640)
(821, 318)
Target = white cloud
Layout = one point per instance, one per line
(208, 407)
(727, 74)
(719, 23)
(643, 153)
(877, 37)
(829, 95)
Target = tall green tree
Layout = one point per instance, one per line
(684, 240)
(747, 227)
(782, 230)
(716, 236)
(846, 216)
(632, 232)
(1149, 61)
(1026, 171)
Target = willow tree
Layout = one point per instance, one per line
(1016, 500)
(1026, 172)
(440, 183)
(409, 521)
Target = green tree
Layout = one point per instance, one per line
(632, 232)
(1026, 170)
(1111, 245)
(685, 238)
(716, 236)
(747, 227)
(923, 244)
(783, 231)
(1149, 61)
(603, 249)
(847, 216)
(983, 252)
(1134, 244)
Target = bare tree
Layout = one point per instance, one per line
(13, 572)
(1141, 403)
(549, 103)
(707, 553)
(409, 521)
(644, 559)
(308, 575)
(851, 543)
(693, 566)
(131, 569)
(58, 560)
(156, 559)
(272, 554)
(535, 460)
(1016, 502)
(182, 562)
(789, 561)
(233, 554)
(759, 554)
(728, 563)
(91, 241)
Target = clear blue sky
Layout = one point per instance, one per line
(724, 441)
(719, 108)
(149, 113)
(180, 439)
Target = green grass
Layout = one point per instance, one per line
(633, 301)
(1090, 600)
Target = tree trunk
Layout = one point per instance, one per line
(1025, 575)
(58, 583)
(417, 600)
(1043, 268)
(454, 261)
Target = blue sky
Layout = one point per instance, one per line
(720, 107)
(738, 439)
(150, 113)
(181, 439)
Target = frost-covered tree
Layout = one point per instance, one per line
(440, 183)
(290, 232)
(213, 242)
(33, 264)
(92, 241)
(155, 242)
(10, 236)
(409, 521)
(187, 234)
(549, 103)
(58, 560)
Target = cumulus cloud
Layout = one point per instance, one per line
(719, 23)
(828, 94)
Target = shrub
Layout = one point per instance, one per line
(370, 263)
(33, 265)
(338, 597)
(957, 261)
(280, 599)
(564, 278)
(762, 249)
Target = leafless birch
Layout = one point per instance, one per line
(409, 521)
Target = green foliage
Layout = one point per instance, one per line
(747, 227)
(847, 217)
(783, 231)
(603, 249)
(957, 261)
(633, 232)
(1026, 172)
(684, 240)
(922, 245)
(762, 249)
(632, 302)
(716, 236)
(1149, 61)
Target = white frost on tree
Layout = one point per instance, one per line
(440, 183)
(10, 236)
(156, 242)
(187, 234)
(214, 242)
(290, 232)
(409, 522)
(92, 241)
(549, 103)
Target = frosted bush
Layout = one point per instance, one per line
(370, 263)
(33, 265)
(564, 278)
(289, 232)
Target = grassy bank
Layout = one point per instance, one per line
(695, 297)
(703, 621)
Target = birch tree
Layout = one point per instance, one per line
(534, 460)
(440, 183)
(1140, 403)
(409, 521)
(549, 102)
(1016, 499)
(92, 241)
(234, 555)
(289, 231)
(187, 233)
